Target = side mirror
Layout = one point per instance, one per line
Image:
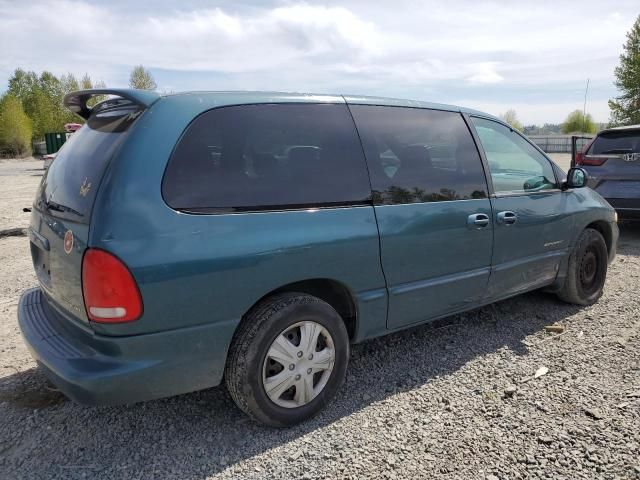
(576, 178)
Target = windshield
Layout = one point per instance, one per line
(70, 184)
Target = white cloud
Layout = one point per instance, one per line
(427, 50)
(484, 72)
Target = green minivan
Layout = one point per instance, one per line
(185, 240)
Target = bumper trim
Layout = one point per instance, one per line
(100, 370)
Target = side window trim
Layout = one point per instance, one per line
(480, 149)
(364, 152)
(485, 163)
(272, 208)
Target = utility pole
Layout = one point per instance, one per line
(584, 108)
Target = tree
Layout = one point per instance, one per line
(42, 98)
(69, 83)
(625, 109)
(511, 118)
(15, 126)
(142, 79)
(576, 122)
(87, 84)
(22, 83)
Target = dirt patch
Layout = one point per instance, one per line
(29, 389)
(13, 232)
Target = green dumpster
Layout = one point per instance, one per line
(54, 141)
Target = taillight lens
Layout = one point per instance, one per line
(110, 292)
(582, 159)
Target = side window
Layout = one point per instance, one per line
(255, 157)
(515, 165)
(418, 155)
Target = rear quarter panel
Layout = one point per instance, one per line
(197, 269)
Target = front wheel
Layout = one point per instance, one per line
(288, 359)
(587, 270)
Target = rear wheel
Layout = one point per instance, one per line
(587, 270)
(288, 359)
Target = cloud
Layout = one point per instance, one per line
(484, 72)
(501, 53)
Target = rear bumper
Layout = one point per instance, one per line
(623, 195)
(101, 370)
(627, 208)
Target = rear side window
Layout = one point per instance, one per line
(270, 156)
(616, 142)
(69, 187)
(418, 155)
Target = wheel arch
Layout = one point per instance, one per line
(335, 293)
(604, 228)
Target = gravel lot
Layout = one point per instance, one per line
(18, 183)
(456, 399)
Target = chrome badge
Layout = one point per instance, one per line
(631, 157)
(85, 187)
(68, 242)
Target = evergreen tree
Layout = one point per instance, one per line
(625, 109)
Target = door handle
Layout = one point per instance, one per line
(507, 217)
(478, 220)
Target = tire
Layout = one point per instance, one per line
(249, 366)
(587, 270)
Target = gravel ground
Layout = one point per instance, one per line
(562, 159)
(18, 182)
(456, 399)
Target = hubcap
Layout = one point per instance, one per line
(298, 364)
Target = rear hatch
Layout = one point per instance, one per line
(61, 216)
(613, 162)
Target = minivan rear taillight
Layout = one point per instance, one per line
(111, 295)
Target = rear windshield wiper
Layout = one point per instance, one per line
(61, 208)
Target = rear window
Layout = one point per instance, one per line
(616, 142)
(256, 157)
(70, 184)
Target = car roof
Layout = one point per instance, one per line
(618, 129)
(223, 98)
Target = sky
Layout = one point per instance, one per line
(532, 56)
